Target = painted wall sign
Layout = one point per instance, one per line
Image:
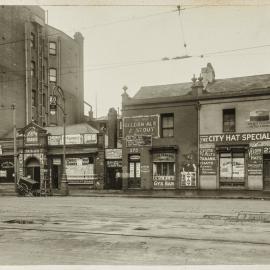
(73, 139)
(163, 182)
(57, 161)
(239, 137)
(31, 136)
(163, 157)
(259, 118)
(113, 153)
(114, 163)
(208, 161)
(255, 160)
(138, 141)
(141, 125)
(3, 173)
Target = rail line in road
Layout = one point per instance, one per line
(232, 241)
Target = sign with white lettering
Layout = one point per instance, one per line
(73, 139)
(208, 161)
(3, 173)
(138, 141)
(163, 157)
(31, 136)
(255, 160)
(141, 125)
(163, 181)
(238, 137)
(188, 179)
(113, 153)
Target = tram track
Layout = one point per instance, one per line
(168, 237)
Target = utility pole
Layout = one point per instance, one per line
(13, 108)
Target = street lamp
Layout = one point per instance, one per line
(53, 108)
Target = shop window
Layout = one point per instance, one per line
(163, 169)
(52, 74)
(229, 120)
(167, 125)
(34, 98)
(232, 169)
(32, 40)
(52, 48)
(33, 69)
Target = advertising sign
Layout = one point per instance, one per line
(141, 125)
(188, 179)
(113, 153)
(114, 163)
(238, 137)
(164, 157)
(255, 160)
(73, 139)
(31, 136)
(208, 162)
(1, 152)
(164, 182)
(138, 141)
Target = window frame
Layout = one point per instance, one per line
(228, 111)
(166, 115)
(52, 51)
(52, 76)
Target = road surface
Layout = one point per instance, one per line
(114, 230)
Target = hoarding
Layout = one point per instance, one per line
(73, 139)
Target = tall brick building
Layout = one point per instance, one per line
(34, 58)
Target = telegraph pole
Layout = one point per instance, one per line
(13, 108)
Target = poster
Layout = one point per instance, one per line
(208, 161)
(138, 141)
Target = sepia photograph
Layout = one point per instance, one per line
(135, 134)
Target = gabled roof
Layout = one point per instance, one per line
(32, 124)
(72, 129)
(228, 85)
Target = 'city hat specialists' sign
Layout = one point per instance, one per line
(141, 125)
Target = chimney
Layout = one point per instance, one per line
(197, 86)
(112, 128)
(91, 115)
(208, 75)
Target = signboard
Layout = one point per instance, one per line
(53, 104)
(113, 153)
(188, 179)
(73, 139)
(141, 125)
(208, 162)
(164, 157)
(56, 161)
(31, 136)
(138, 141)
(259, 118)
(164, 182)
(7, 165)
(114, 163)
(239, 137)
(255, 160)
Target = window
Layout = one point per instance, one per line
(52, 48)
(164, 169)
(44, 100)
(167, 125)
(52, 75)
(33, 69)
(229, 120)
(32, 40)
(34, 98)
(232, 169)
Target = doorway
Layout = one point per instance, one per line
(55, 176)
(134, 165)
(266, 172)
(33, 170)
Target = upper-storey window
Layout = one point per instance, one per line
(52, 48)
(52, 75)
(167, 125)
(32, 40)
(228, 120)
(33, 68)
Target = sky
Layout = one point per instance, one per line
(124, 45)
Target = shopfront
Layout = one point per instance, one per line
(164, 170)
(237, 161)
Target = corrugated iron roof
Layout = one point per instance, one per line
(72, 129)
(228, 85)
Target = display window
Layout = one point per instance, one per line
(232, 169)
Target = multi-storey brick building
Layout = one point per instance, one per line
(34, 58)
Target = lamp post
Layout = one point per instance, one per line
(53, 105)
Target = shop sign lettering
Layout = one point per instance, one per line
(114, 163)
(255, 160)
(141, 125)
(208, 162)
(73, 139)
(145, 168)
(163, 157)
(113, 153)
(7, 165)
(3, 173)
(163, 182)
(138, 141)
(31, 136)
(240, 137)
